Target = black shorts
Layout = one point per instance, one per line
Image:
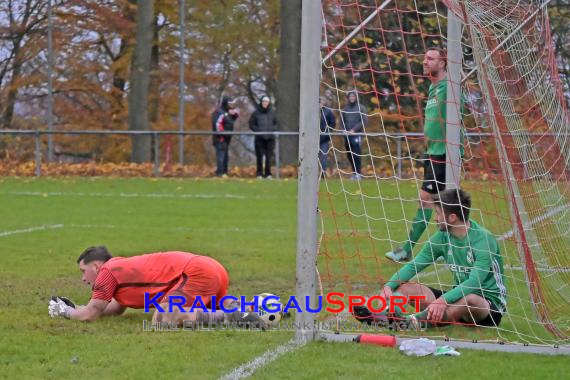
(491, 320)
(434, 173)
(494, 317)
(436, 292)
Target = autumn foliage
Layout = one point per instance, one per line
(230, 47)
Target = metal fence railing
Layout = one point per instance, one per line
(37, 135)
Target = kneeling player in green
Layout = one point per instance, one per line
(472, 254)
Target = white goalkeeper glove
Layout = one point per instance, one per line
(59, 308)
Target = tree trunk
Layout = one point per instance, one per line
(140, 81)
(154, 96)
(13, 88)
(154, 73)
(289, 78)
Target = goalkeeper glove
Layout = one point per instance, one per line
(66, 300)
(60, 307)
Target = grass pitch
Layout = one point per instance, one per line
(248, 225)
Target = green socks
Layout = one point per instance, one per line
(422, 315)
(419, 224)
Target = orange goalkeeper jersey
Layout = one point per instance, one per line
(126, 279)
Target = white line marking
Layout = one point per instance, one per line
(539, 269)
(31, 229)
(442, 266)
(269, 356)
(540, 218)
(93, 226)
(182, 229)
(125, 195)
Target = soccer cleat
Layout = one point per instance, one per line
(398, 255)
(416, 320)
(356, 177)
(363, 315)
(413, 322)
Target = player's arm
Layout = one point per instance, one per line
(90, 312)
(103, 291)
(114, 308)
(427, 256)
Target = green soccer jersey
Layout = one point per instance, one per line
(435, 119)
(475, 262)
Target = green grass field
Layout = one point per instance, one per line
(248, 225)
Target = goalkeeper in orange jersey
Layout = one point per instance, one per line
(122, 282)
(473, 257)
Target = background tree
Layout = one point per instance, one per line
(243, 48)
(559, 12)
(289, 76)
(140, 80)
(22, 35)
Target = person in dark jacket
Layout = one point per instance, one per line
(223, 119)
(264, 120)
(354, 119)
(327, 124)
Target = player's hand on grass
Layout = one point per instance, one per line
(436, 310)
(66, 300)
(60, 307)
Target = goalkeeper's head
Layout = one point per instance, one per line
(90, 262)
(435, 62)
(452, 208)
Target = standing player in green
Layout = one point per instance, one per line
(435, 68)
(473, 257)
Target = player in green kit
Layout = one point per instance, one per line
(434, 66)
(472, 255)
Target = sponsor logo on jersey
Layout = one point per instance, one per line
(459, 269)
(470, 258)
(431, 102)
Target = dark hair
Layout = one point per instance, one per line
(228, 102)
(99, 253)
(442, 54)
(454, 201)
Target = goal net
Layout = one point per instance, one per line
(515, 163)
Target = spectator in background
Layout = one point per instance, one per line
(354, 119)
(327, 124)
(223, 119)
(264, 120)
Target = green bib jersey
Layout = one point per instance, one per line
(435, 119)
(475, 262)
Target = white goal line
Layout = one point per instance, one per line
(31, 229)
(125, 195)
(247, 369)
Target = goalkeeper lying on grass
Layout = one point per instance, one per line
(472, 254)
(121, 282)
